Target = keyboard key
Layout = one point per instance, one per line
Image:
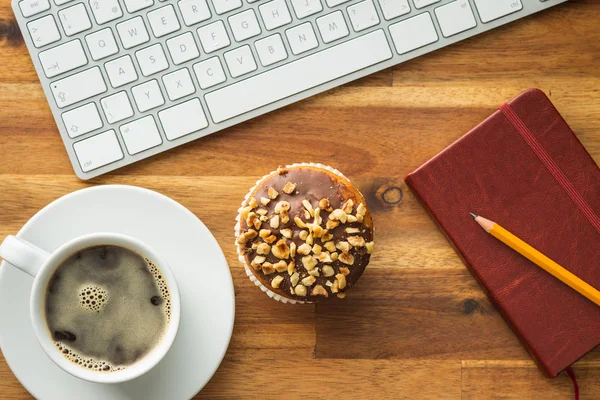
(98, 151)
(63, 58)
(213, 37)
(332, 27)
(333, 3)
(455, 17)
(271, 50)
(302, 38)
(140, 135)
(394, 8)
(424, 3)
(152, 59)
(240, 61)
(183, 119)
(363, 15)
(136, 5)
(80, 86)
(194, 11)
(209, 73)
(147, 96)
(298, 76)
(74, 19)
(183, 48)
(82, 120)
(116, 107)
(244, 25)
(33, 7)
(413, 33)
(304, 8)
(120, 71)
(275, 14)
(105, 10)
(163, 21)
(43, 31)
(102, 44)
(490, 10)
(178, 84)
(133, 32)
(223, 6)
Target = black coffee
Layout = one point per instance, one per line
(106, 307)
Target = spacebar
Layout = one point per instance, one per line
(298, 76)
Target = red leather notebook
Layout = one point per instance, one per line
(495, 172)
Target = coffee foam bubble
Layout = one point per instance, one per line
(86, 362)
(162, 286)
(93, 298)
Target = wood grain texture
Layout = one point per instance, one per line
(417, 325)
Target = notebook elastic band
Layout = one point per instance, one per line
(551, 165)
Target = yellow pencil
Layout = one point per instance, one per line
(533, 255)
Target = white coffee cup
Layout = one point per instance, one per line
(41, 265)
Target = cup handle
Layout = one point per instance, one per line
(23, 255)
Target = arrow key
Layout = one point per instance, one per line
(63, 58)
(43, 31)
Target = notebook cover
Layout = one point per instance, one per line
(491, 171)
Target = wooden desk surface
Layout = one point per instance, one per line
(417, 325)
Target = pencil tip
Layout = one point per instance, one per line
(473, 215)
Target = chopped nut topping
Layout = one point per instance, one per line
(344, 247)
(253, 203)
(280, 266)
(351, 231)
(272, 193)
(262, 211)
(346, 258)
(309, 262)
(244, 237)
(335, 287)
(286, 233)
(314, 272)
(274, 222)
(341, 295)
(324, 204)
(271, 239)
(291, 268)
(282, 206)
(357, 241)
(300, 290)
(345, 271)
(347, 207)
(308, 207)
(341, 278)
(361, 209)
(264, 233)
(276, 281)
(329, 283)
(351, 218)
(331, 224)
(264, 201)
(308, 281)
(267, 268)
(339, 215)
(264, 218)
(309, 239)
(303, 235)
(282, 170)
(328, 270)
(263, 248)
(245, 211)
(319, 290)
(285, 217)
(359, 218)
(327, 237)
(293, 249)
(289, 188)
(334, 256)
(304, 249)
(317, 249)
(325, 258)
(318, 231)
(257, 261)
(281, 249)
(299, 222)
(329, 246)
(370, 247)
(306, 214)
(294, 279)
(317, 216)
(253, 220)
(255, 245)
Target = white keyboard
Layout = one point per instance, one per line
(127, 79)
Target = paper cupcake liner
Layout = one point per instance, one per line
(238, 247)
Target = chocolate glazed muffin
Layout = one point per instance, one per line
(304, 234)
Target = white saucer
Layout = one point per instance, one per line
(202, 273)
